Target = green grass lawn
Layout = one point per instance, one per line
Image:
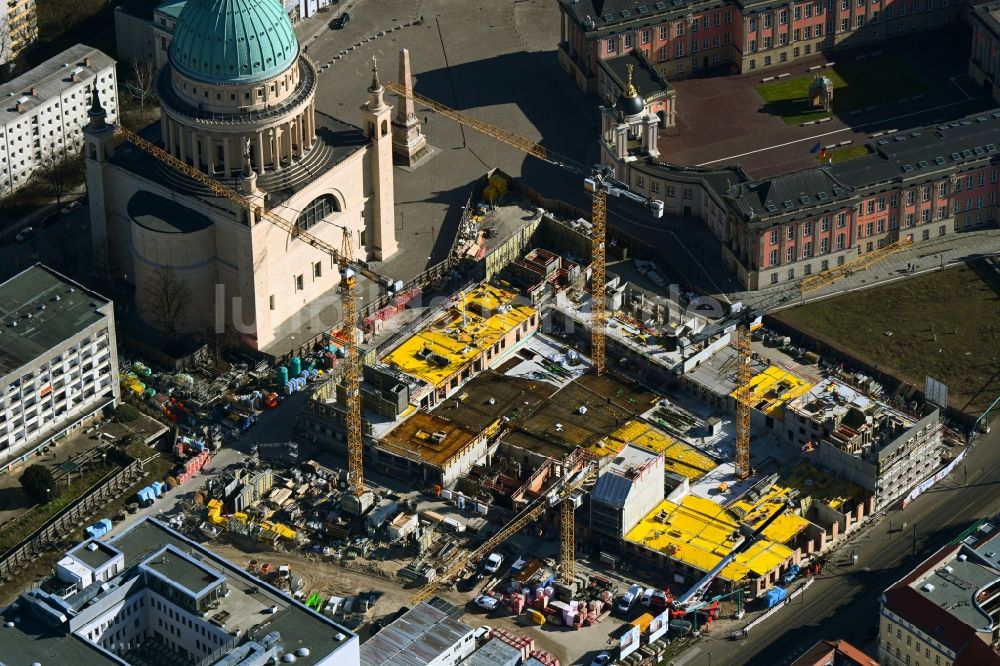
(845, 153)
(857, 85)
(945, 324)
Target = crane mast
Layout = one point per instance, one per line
(742, 395)
(352, 368)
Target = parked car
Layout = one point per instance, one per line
(493, 562)
(25, 234)
(486, 602)
(70, 207)
(339, 22)
(629, 598)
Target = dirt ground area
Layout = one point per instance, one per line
(328, 579)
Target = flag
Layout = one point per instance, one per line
(815, 149)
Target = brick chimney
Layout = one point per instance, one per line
(34, 92)
(86, 61)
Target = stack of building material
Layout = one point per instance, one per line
(523, 644)
(193, 466)
(543, 657)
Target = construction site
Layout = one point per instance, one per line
(520, 442)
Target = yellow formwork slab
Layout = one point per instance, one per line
(479, 319)
(772, 388)
(700, 533)
(678, 457)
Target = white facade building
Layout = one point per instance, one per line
(58, 360)
(149, 595)
(45, 110)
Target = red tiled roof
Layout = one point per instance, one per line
(839, 653)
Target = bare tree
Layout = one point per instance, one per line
(142, 85)
(166, 298)
(59, 170)
(6, 52)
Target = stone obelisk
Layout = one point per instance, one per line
(409, 145)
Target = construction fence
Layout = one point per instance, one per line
(69, 520)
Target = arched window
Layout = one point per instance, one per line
(318, 209)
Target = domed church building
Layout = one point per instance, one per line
(238, 104)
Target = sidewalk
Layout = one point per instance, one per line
(923, 257)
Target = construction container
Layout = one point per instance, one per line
(98, 529)
(775, 596)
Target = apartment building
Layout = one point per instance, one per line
(46, 110)
(58, 360)
(984, 63)
(862, 440)
(150, 595)
(682, 38)
(18, 27)
(946, 612)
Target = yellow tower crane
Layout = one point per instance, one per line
(742, 395)
(599, 180)
(348, 268)
(352, 368)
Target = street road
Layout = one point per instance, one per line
(844, 600)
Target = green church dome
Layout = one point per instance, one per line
(233, 41)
